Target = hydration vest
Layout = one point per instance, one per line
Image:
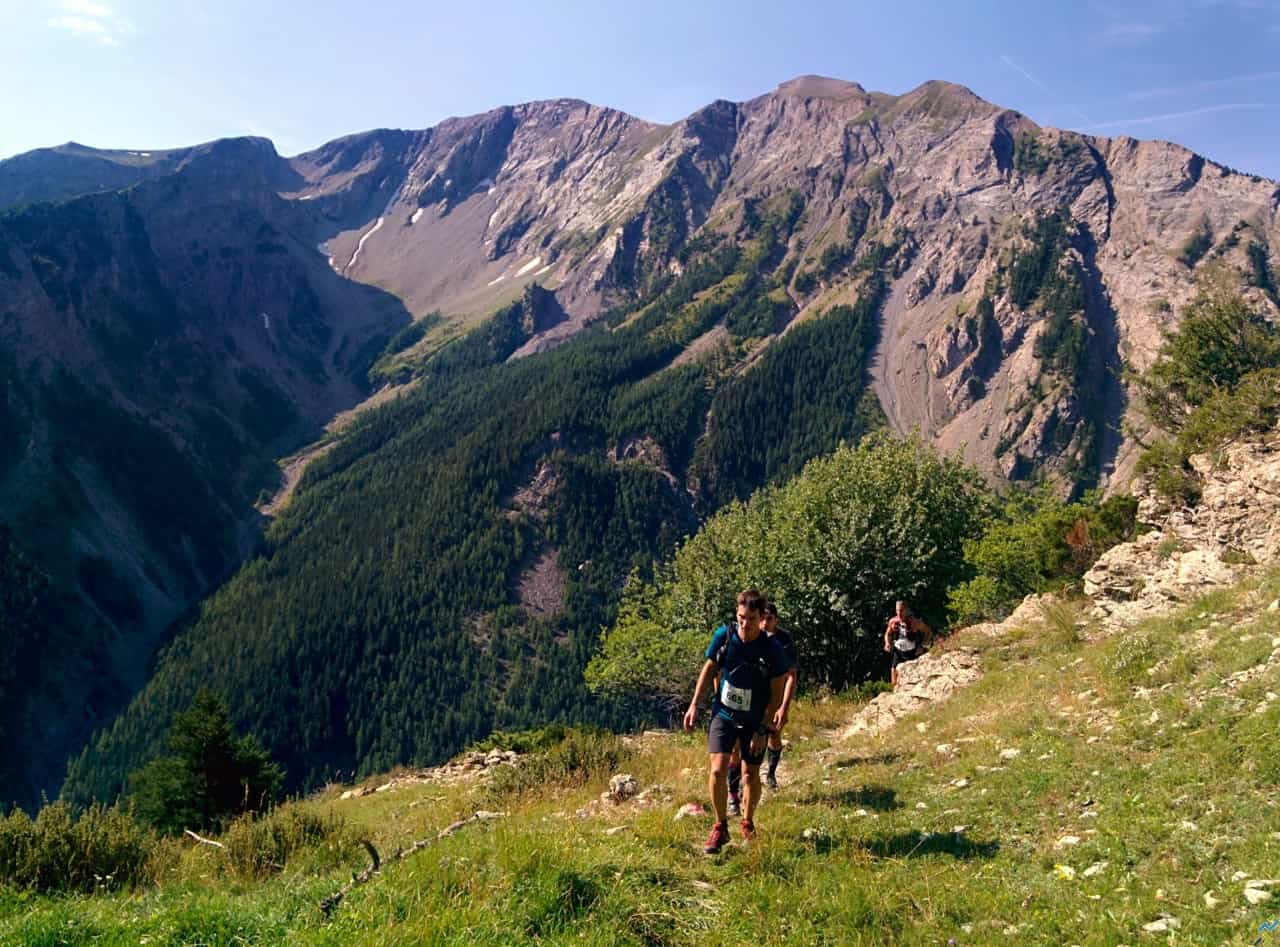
(742, 677)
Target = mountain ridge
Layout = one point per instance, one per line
(1004, 274)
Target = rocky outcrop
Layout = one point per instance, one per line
(1190, 550)
(921, 682)
(470, 767)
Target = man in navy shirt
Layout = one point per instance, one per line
(769, 623)
(750, 670)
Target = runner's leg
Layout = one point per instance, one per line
(735, 774)
(775, 756)
(718, 785)
(752, 791)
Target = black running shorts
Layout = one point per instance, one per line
(902, 657)
(723, 735)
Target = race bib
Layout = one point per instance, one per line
(904, 644)
(735, 698)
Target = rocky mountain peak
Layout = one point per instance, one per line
(595, 206)
(820, 87)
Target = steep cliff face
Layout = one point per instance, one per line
(461, 217)
(1025, 380)
(159, 347)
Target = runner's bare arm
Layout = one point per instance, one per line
(691, 715)
(788, 693)
(776, 686)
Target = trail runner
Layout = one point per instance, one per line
(751, 672)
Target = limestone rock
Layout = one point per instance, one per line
(921, 682)
(1193, 550)
(622, 787)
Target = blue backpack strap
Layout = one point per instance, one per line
(731, 632)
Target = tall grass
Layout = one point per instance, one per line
(104, 848)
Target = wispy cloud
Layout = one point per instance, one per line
(1206, 85)
(1025, 73)
(1131, 32)
(91, 20)
(1030, 77)
(1189, 113)
(1247, 5)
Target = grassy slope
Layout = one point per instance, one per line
(1171, 790)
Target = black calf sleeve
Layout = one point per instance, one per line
(735, 780)
(774, 757)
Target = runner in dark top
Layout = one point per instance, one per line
(751, 671)
(788, 692)
(905, 639)
(770, 625)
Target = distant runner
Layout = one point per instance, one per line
(905, 639)
(779, 721)
(752, 672)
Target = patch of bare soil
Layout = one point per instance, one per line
(531, 498)
(293, 466)
(647, 451)
(541, 585)
(715, 338)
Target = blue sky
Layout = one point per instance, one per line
(160, 73)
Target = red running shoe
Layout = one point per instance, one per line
(748, 830)
(717, 839)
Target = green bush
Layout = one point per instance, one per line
(522, 741)
(1171, 474)
(1220, 341)
(1040, 543)
(835, 257)
(868, 689)
(1260, 273)
(834, 548)
(981, 597)
(584, 754)
(1197, 245)
(105, 848)
(1217, 379)
(1130, 655)
(1028, 156)
(258, 846)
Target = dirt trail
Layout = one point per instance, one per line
(293, 466)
